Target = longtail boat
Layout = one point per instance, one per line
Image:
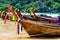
(43, 18)
(35, 28)
(30, 17)
(3, 14)
(35, 17)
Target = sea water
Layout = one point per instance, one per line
(48, 14)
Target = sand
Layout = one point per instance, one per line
(8, 32)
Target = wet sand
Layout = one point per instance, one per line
(8, 32)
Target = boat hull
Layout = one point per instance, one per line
(36, 18)
(37, 29)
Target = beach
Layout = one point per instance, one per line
(8, 32)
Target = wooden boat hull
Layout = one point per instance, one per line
(36, 28)
(30, 17)
(35, 18)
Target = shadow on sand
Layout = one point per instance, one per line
(42, 37)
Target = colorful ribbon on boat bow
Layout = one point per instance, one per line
(6, 15)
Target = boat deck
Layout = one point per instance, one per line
(43, 23)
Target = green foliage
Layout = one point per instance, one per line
(55, 5)
(25, 5)
(18, 5)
